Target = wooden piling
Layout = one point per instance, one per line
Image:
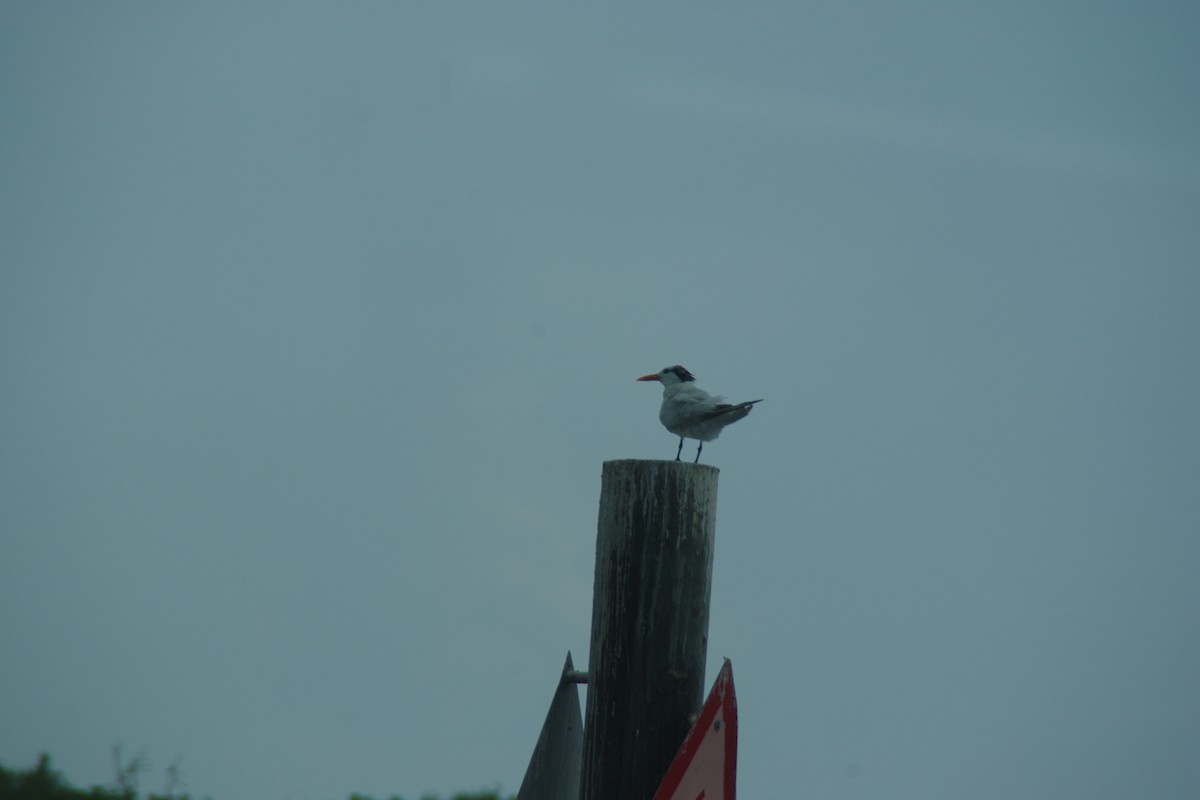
(654, 553)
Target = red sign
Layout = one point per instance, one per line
(705, 768)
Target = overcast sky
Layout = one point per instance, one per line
(317, 323)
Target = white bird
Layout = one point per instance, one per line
(689, 412)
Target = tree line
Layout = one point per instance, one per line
(43, 782)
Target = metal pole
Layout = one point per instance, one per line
(654, 551)
(553, 772)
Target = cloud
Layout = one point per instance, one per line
(956, 136)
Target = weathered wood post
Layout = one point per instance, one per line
(654, 554)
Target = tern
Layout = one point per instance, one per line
(689, 412)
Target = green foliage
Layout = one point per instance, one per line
(42, 782)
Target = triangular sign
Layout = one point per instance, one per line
(705, 768)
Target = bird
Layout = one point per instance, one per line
(689, 412)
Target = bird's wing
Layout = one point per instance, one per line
(686, 405)
(722, 409)
(696, 401)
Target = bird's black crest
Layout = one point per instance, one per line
(681, 373)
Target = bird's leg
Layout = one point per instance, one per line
(698, 449)
(680, 450)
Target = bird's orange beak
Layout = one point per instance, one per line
(653, 377)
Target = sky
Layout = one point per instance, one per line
(318, 322)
